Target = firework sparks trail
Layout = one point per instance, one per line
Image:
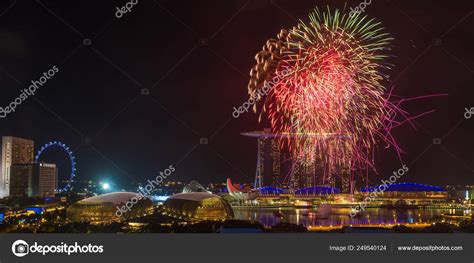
(333, 99)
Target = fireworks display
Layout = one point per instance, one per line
(330, 105)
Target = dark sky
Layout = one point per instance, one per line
(195, 56)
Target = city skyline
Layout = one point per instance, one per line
(247, 116)
(127, 121)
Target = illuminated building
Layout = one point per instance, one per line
(277, 166)
(194, 186)
(241, 194)
(33, 180)
(5, 211)
(198, 206)
(407, 194)
(103, 208)
(47, 179)
(461, 192)
(14, 151)
(42, 209)
(21, 181)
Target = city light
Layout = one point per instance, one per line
(334, 120)
(105, 186)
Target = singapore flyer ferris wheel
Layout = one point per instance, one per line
(71, 158)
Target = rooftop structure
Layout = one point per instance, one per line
(198, 206)
(103, 208)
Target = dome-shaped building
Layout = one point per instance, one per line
(194, 187)
(198, 205)
(103, 208)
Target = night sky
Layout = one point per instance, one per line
(194, 58)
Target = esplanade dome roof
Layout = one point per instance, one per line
(116, 198)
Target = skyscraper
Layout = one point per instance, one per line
(278, 166)
(14, 151)
(47, 179)
(33, 180)
(21, 180)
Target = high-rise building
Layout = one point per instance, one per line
(33, 180)
(14, 151)
(278, 166)
(47, 179)
(21, 180)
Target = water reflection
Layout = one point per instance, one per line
(327, 216)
